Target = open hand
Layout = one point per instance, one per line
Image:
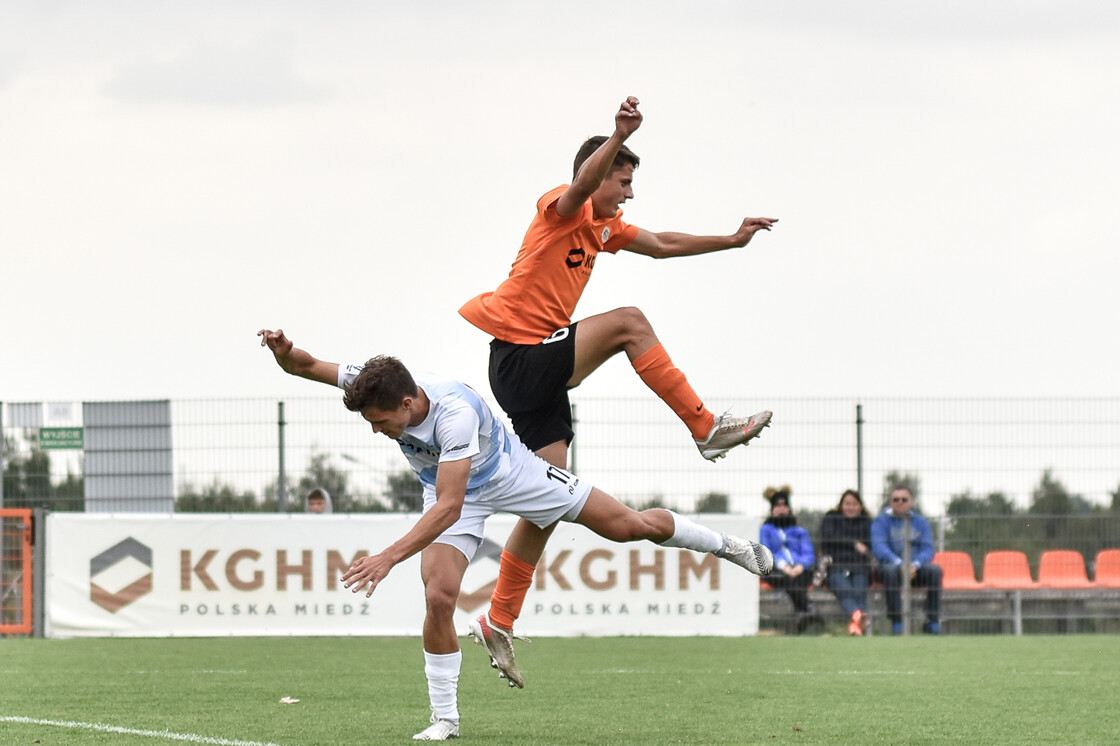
(751, 226)
(366, 571)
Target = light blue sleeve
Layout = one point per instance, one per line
(881, 541)
(924, 551)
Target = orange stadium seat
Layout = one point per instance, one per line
(1007, 570)
(958, 574)
(1062, 568)
(1107, 573)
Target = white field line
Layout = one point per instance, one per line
(164, 734)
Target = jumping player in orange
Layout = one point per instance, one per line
(538, 353)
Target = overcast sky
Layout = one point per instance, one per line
(175, 176)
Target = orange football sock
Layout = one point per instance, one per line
(515, 575)
(667, 381)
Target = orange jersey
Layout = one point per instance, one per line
(549, 274)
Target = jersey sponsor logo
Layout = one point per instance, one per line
(459, 447)
(417, 447)
(556, 336)
(580, 258)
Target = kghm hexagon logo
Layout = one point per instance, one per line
(120, 575)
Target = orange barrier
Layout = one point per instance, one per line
(15, 571)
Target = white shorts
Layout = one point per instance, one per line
(533, 489)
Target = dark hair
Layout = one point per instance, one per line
(774, 494)
(625, 155)
(383, 383)
(855, 494)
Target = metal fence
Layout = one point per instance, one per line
(993, 475)
(634, 448)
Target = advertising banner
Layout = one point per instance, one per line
(209, 574)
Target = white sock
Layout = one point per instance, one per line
(691, 535)
(443, 683)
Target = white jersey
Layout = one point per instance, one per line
(459, 425)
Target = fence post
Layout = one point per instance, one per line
(906, 574)
(38, 569)
(859, 448)
(282, 480)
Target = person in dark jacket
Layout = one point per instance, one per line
(846, 541)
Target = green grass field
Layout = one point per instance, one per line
(763, 690)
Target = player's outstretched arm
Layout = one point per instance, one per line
(596, 168)
(669, 244)
(451, 490)
(296, 361)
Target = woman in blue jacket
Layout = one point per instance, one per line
(793, 555)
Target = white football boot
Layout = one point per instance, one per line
(745, 553)
(439, 730)
(499, 644)
(728, 432)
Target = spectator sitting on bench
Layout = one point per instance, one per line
(888, 541)
(846, 541)
(793, 555)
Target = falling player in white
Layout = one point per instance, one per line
(470, 467)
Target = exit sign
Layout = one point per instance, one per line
(61, 437)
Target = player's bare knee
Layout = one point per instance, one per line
(441, 601)
(633, 321)
(635, 527)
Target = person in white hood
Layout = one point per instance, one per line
(318, 500)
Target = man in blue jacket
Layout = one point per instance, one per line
(888, 542)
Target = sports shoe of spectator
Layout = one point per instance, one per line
(856, 626)
(932, 628)
(439, 730)
(745, 553)
(728, 432)
(896, 628)
(499, 644)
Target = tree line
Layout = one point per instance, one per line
(1053, 518)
